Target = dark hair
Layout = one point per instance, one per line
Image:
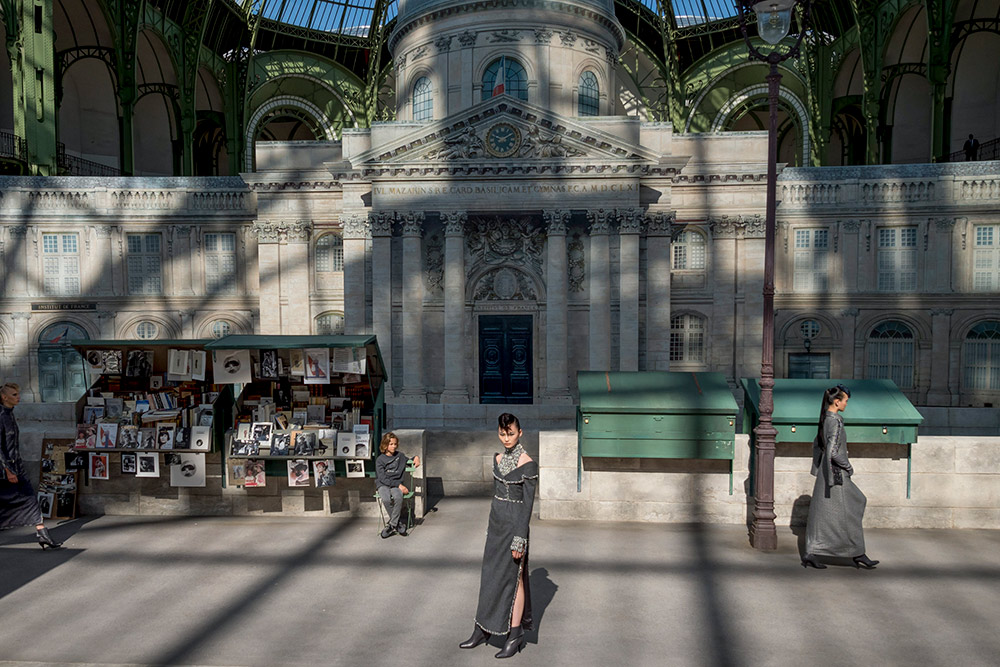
(508, 422)
(829, 396)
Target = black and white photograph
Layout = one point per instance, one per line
(190, 471)
(147, 464)
(128, 464)
(281, 443)
(244, 448)
(139, 364)
(182, 437)
(46, 501)
(261, 432)
(112, 362)
(198, 358)
(356, 468)
(303, 443)
(317, 365)
(236, 472)
(316, 414)
(232, 367)
(326, 440)
(75, 461)
(298, 472)
(201, 438)
(165, 436)
(113, 408)
(128, 437)
(147, 438)
(323, 473)
(178, 364)
(155, 381)
(268, 364)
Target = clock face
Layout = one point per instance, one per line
(503, 139)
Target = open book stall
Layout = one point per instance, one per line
(307, 408)
(149, 401)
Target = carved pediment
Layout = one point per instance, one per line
(512, 133)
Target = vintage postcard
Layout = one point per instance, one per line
(255, 475)
(356, 468)
(317, 365)
(189, 472)
(99, 468)
(323, 473)
(298, 472)
(128, 464)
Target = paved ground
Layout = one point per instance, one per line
(274, 591)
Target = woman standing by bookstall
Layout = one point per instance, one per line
(504, 596)
(18, 503)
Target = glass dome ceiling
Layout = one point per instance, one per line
(355, 17)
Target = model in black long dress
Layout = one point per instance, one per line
(18, 503)
(505, 557)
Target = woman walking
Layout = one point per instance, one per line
(504, 596)
(18, 503)
(838, 506)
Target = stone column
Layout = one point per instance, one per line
(556, 314)
(629, 227)
(413, 309)
(381, 229)
(16, 249)
(658, 236)
(19, 355)
(600, 299)
(355, 238)
(293, 254)
(268, 266)
(101, 272)
(181, 256)
(938, 393)
(455, 349)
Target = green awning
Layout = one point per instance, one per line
(82, 344)
(877, 412)
(655, 392)
(275, 342)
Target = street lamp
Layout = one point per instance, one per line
(774, 18)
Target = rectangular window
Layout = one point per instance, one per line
(897, 259)
(811, 258)
(986, 259)
(144, 264)
(60, 264)
(220, 263)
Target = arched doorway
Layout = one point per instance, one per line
(61, 373)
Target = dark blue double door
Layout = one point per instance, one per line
(505, 359)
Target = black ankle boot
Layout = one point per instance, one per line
(864, 561)
(45, 540)
(478, 637)
(515, 642)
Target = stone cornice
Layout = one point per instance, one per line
(407, 25)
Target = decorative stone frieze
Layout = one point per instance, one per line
(464, 144)
(495, 239)
(133, 199)
(556, 221)
(18, 231)
(57, 199)
(590, 46)
(942, 312)
(849, 312)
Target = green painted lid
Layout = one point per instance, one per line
(873, 402)
(660, 392)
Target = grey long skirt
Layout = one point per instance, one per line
(834, 524)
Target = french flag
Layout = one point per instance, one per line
(499, 81)
(60, 336)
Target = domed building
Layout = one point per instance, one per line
(505, 192)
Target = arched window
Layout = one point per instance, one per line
(146, 330)
(329, 253)
(687, 338)
(330, 324)
(221, 328)
(590, 95)
(61, 374)
(688, 251)
(514, 81)
(423, 103)
(981, 353)
(891, 354)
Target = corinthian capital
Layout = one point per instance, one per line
(298, 231)
(556, 221)
(380, 222)
(356, 226)
(412, 223)
(659, 223)
(600, 221)
(266, 231)
(454, 222)
(629, 220)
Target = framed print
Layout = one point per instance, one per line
(178, 364)
(201, 438)
(323, 473)
(255, 476)
(128, 464)
(356, 468)
(99, 465)
(147, 464)
(189, 472)
(317, 365)
(46, 501)
(198, 358)
(95, 361)
(232, 367)
(107, 435)
(112, 362)
(298, 472)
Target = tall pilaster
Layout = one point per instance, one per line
(556, 295)
(181, 256)
(629, 227)
(106, 323)
(293, 249)
(600, 287)
(268, 264)
(455, 350)
(413, 309)
(658, 236)
(100, 274)
(938, 393)
(16, 250)
(19, 355)
(355, 238)
(381, 229)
